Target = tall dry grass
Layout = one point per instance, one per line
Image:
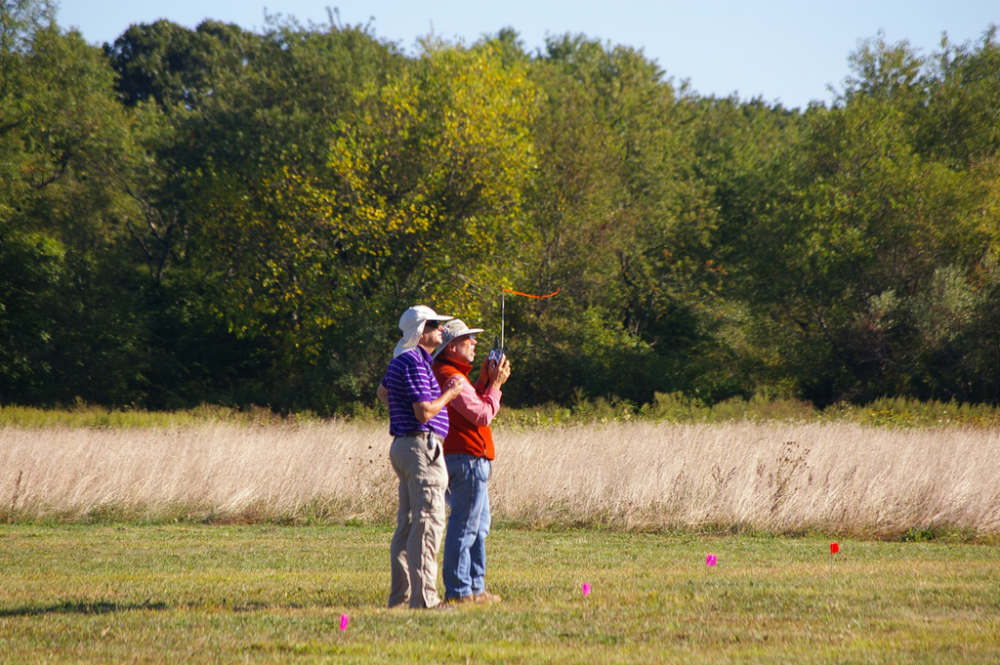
(218, 471)
(774, 478)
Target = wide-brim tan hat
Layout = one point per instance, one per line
(451, 331)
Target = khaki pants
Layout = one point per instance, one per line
(423, 477)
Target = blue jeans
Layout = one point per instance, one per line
(464, 568)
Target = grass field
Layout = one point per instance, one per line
(245, 542)
(266, 594)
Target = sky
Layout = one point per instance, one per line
(787, 51)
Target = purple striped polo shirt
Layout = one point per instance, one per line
(409, 379)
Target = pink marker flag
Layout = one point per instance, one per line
(586, 589)
(834, 548)
(344, 620)
(711, 560)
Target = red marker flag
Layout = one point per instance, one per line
(834, 548)
(529, 295)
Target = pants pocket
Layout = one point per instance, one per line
(432, 504)
(433, 450)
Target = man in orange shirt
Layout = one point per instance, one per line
(468, 453)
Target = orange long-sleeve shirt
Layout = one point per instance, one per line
(469, 414)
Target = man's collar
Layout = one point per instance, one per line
(457, 364)
(422, 352)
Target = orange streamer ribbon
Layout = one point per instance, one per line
(528, 295)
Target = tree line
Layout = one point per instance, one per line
(237, 217)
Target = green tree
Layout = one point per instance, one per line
(423, 167)
(960, 122)
(172, 65)
(831, 244)
(621, 225)
(71, 326)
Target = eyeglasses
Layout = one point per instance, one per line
(431, 325)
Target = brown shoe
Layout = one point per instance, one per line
(487, 597)
(452, 602)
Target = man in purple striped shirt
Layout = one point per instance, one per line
(418, 422)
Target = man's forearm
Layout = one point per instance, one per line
(477, 409)
(424, 411)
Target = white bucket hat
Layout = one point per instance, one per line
(451, 331)
(412, 324)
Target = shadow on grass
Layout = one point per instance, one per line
(80, 607)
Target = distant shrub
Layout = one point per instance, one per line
(676, 407)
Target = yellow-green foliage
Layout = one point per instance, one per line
(434, 164)
(422, 184)
(673, 408)
(679, 408)
(102, 418)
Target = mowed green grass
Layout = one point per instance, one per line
(267, 594)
